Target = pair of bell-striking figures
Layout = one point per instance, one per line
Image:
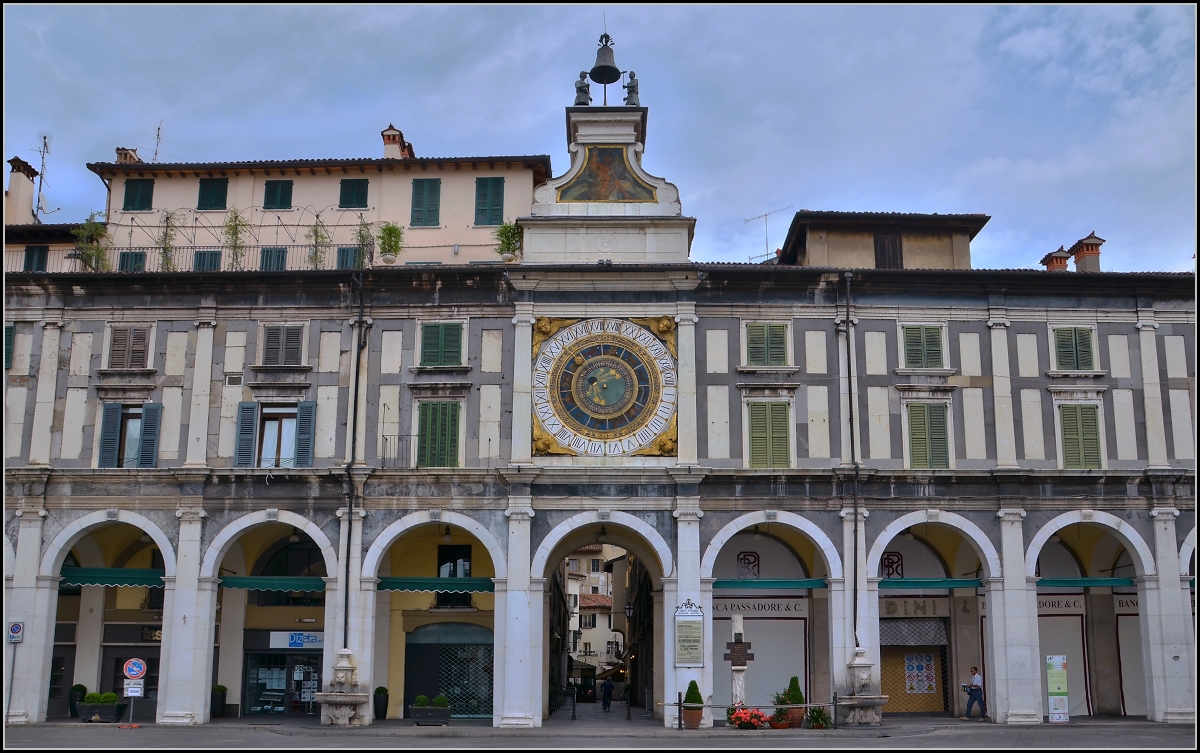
(583, 91)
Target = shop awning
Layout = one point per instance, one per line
(1085, 582)
(766, 583)
(930, 583)
(445, 585)
(112, 576)
(274, 582)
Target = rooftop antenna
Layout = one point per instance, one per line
(157, 142)
(765, 217)
(43, 148)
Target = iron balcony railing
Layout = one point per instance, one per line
(248, 258)
(397, 451)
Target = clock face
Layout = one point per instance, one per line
(604, 387)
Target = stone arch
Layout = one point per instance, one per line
(388, 536)
(220, 545)
(974, 534)
(1143, 558)
(1186, 551)
(833, 561)
(57, 550)
(623, 519)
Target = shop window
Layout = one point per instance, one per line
(129, 435)
(454, 561)
(292, 559)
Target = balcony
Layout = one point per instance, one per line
(197, 259)
(397, 451)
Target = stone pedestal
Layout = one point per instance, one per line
(862, 708)
(342, 701)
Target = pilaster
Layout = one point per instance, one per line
(1165, 625)
(1156, 433)
(522, 663)
(47, 381)
(185, 674)
(685, 333)
(522, 415)
(1006, 443)
(197, 444)
(33, 601)
(1012, 625)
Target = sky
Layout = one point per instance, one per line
(1055, 121)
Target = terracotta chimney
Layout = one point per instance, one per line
(18, 199)
(1087, 253)
(1056, 261)
(125, 155)
(394, 145)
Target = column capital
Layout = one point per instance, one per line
(190, 514)
(998, 323)
(1011, 515)
(52, 324)
(21, 512)
(524, 321)
(1164, 511)
(209, 323)
(519, 513)
(848, 512)
(1145, 325)
(1146, 581)
(689, 319)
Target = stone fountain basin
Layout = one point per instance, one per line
(342, 699)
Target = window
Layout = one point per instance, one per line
(275, 436)
(282, 345)
(595, 566)
(277, 194)
(129, 348)
(489, 201)
(212, 193)
(437, 435)
(887, 251)
(131, 261)
(354, 194)
(290, 559)
(927, 436)
(573, 565)
(923, 347)
(10, 335)
(426, 197)
(139, 194)
(129, 435)
(1073, 349)
(35, 258)
(769, 444)
(587, 647)
(1080, 435)
(587, 621)
(595, 589)
(766, 344)
(574, 601)
(273, 259)
(351, 257)
(441, 344)
(207, 261)
(454, 561)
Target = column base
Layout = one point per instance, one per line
(18, 717)
(178, 717)
(1022, 717)
(516, 720)
(1182, 716)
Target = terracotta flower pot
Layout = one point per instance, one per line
(796, 717)
(692, 718)
(781, 725)
(818, 725)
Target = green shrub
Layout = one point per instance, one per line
(109, 698)
(794, 693)
(817, 715)
(381, 690)
(220, 689)
(441, 702)
(421, 701)
(391, 239)
(693, 694)
(78, 688)
(92, 698)
(508, 238)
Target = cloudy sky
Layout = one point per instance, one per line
(1054, 121)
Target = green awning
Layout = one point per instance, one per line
(930, 583)
(274, 582)
(112, 576)
(445, 585)
(767, 583)
(1084, 582)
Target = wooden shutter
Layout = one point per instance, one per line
(451, 345)
(756, 344)
(346, 198)
(939, 442)
(1083, 349)
(418, 203)
(1089, 436)
(431, 344)
(483, 188)
(777, 345)
(1072, 450)
(496, 202)
(918, 435)
(285, 195)
(151, 422)
(914, 348)
(306, 422)
(1064, 348)
(10, 334)
(433, 202)
(887, 252)
(450, 445)
(271, 194)
(778, 424)
(292, 345)
(437, 435)
(110, 434)
(272, 345)
(933, 347)
(118, 354)
(139, 194)
(760, 435)
(138, 345)
(247, 435)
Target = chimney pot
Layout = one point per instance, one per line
(1087, 253)
(18, 199)
(1056, 261)
(125, 155)
(394, 145)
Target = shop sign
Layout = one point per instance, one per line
(285, 639)
(928, 607)
(1061, 604)
(1056, 688)
(1125, 603)
(759, 606)
(689, 635)
(151, 634)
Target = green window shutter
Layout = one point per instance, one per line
(496, 202)
(1089, 436)
(777, 345)
(110, 434)
(452, 345)
(933, 347)
(918, 435)
(247, 435)
(1083, 349)
(437, 438)
(272, 345)
(354, 193)
(346, 199)
(213, 192)
(277, 194)
(433, 202)
(272, 259)
(431, 344)
(1071, 440)
(914, 348)
(139, 194)
(1064, 348)
(939, 442)
(10, 334)
(151, 421)
(426, 200)
(306, 424)
(482, 190)
(285, 194)
(778, 424)
(291, 345)
(118, 354)
(760, 439)
(418, 203)
(756, 344)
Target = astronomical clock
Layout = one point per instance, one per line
(604, 387)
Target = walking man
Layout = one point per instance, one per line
(975, 695)
(606, 691)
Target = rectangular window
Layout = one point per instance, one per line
(437, 435)
(587, 621)
(927, 440)
(212, 193)
(207, 261)
(587, 647)
(766, 344)
(441, 344)
(1073, 349)
(923, 347)
(282, 345)
(354, 194)
(272, 259)
(139, 194)
(277, 194)
(769, 442)
(887, 251)
(129, 348)
(275, 436)
(10, 335)
(131, 261)
(454, 561)
(129, 435)
(426, 199)
(489, 201)
(35, 258)
(350, 257)
(1080, 436)
(573, 565)
(595, 566)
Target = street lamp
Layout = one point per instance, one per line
(628, 636)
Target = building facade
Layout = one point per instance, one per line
(251, 473)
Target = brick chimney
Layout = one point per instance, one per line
(18, 199)
(1056, 261)
(1087, 253)
(126, 156)
(394, 145)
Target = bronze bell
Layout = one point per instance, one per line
(605, 71)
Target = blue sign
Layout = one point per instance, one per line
(297, 639)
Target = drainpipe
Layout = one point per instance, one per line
(853, 444)
(356, 279)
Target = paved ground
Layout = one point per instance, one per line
(605, 729)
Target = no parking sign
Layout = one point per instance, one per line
(16, 632)
(135, 669)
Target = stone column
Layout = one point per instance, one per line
(668, 679)
(1006, 443)
(522, 414)
(88, 636)
(685, 406)
(1156, 433)
(687, 587)
(33, 601)
(185, 674)
(360, 435)
(197, 445)
(1012, 617)
(841, 636)
(362, 617)
(47, 382)
(865, 632)
(1165, 621)
(711, 655)
(499, 647)
(522, 663)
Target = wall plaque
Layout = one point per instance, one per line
(689, 635)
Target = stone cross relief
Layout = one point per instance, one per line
(738, 656)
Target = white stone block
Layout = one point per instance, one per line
(1027, 355)
(879, 423)
(1124, 421)
(81, 355)
(330, 352)
(14, 420)
(716, 347)
(491, 353)
(973, 423)
(1176, 353)
(327, 420)
(390, 353)
(176, 362)
(1118, 356)
(815, 359)
(1031, 424)
(226, 436)
(876, 347)
(172, 417)
(22, 348)
(818, 421)
(235, 352)
(1181, 423)
(970, 363)
(718, 420)
(74, 414)
(489, 420)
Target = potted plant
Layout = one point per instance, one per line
(75, 697)
(780, 719)
(744, 718)
(391, 242)
(424, 714)
(217, 706)
(508, 241)
(381, 702)
(102, 707)
(795, 696)
(693, 714)
(817, 718)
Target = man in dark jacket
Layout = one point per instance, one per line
(606, 691)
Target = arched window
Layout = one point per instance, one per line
(290, 558)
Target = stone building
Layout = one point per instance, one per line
(278, 476)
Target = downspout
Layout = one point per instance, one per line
(853, 444)
(356, 279)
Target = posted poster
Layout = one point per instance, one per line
(689, 635)
(1056, 688)
(919, 674)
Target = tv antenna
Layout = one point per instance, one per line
(766, 218)
(43, 149)
(157, 142)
